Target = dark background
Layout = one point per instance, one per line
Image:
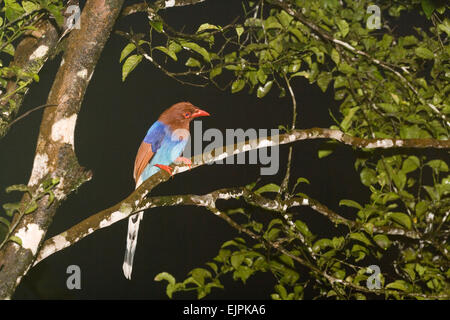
(113, 120)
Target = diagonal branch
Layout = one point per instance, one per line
(106, 218)
(132, 204)
(136, 201)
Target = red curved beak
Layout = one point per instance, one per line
(200, 113)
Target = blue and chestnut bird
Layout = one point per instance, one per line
(163, 145)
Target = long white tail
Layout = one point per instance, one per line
(133, 229)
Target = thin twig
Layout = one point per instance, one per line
(30, 111)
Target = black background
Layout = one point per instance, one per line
(113, 120)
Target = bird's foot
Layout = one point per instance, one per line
(165, 168)
(184, 161)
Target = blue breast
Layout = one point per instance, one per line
(167, 151)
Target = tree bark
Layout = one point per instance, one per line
(30, 55)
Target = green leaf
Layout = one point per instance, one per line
(130, 64)
(346, 68)
(17, 187)
(399, 179)
(213, 266)
(421, 207)
(157, 25)
(13, 10)
(437, 166)
(434, 195)
(30, 6)
(195, 47)
(412, 132)
(242, 273)
(231, 243)
(322, 244)
(360, 237)
(388, 107)
(445, 27)
(174, 47)
(194, 63)
(5, 221)
(323, 80)
(271, 187)
(343, 27)
(401, 218)
(237, 85)
(56, 12)
(215, 72)
(281, 291)
(295, 66)
(338, 242)
(168, 52)
(263, 90)
(272, 235)
(262, 76)
(302, 180)
(326, 149)
(170, 289)
(424, 53)
(368, 177)
(287, 260)
(410, 164)
(239, 31)
(9, 49)
(428, 7)
(322, 153)
(398, 285)
(368, 227)
(350, 203)
(31, 207)
(346, 123)
(10, 208)
(335, 56)
(207, 26)
(359, 252)
(272, 23)
(165, 276)
(200, 274)
(126, 51)
(382, 240)
(16, 240)
(237, 259)
(303, 228)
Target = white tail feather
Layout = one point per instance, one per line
(133, 229)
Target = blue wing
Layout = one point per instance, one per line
(151, 144)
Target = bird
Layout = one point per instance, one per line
(162, 146)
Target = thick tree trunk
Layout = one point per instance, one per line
(55, 156)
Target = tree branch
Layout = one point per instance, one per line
(109, 216)
(135, 203)
(158, 5)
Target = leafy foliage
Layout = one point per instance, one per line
(388, 85)
(20, 18)
(16, 211)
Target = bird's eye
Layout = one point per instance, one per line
(187, 115)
